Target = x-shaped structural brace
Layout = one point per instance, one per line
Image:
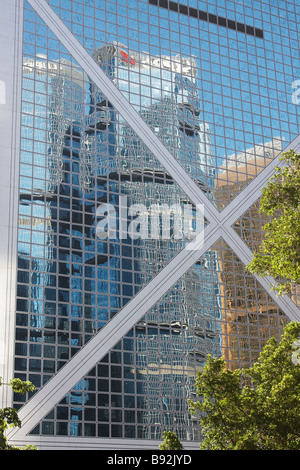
(220, 225)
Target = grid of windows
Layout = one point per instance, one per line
(143, 384)
(244, 83)
(221, 102)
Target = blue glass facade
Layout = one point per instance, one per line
(214, 81)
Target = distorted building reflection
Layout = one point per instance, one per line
(248, 312)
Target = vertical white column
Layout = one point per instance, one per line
(11, 38)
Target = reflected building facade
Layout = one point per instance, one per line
(53, 102)
(86, 280)
(240, 349)
(164, 368)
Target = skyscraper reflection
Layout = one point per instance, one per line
(93, 157)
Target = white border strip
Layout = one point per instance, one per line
(11, 63)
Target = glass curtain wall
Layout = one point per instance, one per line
(214, 81)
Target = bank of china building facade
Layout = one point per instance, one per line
(123, 123)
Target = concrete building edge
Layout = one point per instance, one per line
(11, 27)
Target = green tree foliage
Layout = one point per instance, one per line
(170, 442)
(256, 408)
(279, 254)
(9, 416)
